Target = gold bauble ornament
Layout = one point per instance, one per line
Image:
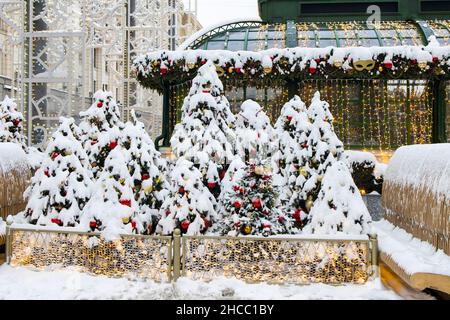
(155, 63)
(423, 65)
(148, 189)
(380, 68)
(94, 164)
(259, 170)
(230, 70)
(158, 179)
(303, 172)
(126, 220)
(191, 65)
(338, 63)
(319, 178)
(309, 204)
(122, 181)
(247, 229)
(267, 70)
(363, 192)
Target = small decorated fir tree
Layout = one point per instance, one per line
(147, 170)
(255, 136)
(199, 139)
(207, 81)
(62, 185)
(189, 205)
(339, 207)
(101, 129)
(320, 115)
(112, 206)
(250, 206)
(11, 123)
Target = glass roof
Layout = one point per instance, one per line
(256, 36)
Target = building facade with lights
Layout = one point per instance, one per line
(376, 106)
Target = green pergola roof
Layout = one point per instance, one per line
(256, 35)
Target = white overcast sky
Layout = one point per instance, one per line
(211, 12)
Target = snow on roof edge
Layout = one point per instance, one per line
(207, 29)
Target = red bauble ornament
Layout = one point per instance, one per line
(236, 188)
(167, 213)
(207, 223)
(125, 202)
(93, 142)
(388, 65)
(238, 70)
(297, 215)
(93, 224)
(112, 144)
(312, 70)
(145, 176)
(237, 204)
(54, 155)
(289, 118)
(185, 224)
(266, 225)
(317, 60)
(99, 104)
(163, 70)
(211, 185)
(237, 224)
(281, 219)
(256, 203)
(17, 122)
(414, 61)
(222, 174)
(206, 91)
(57, 221)
(46, 173)
(242, 190)
(133, 224)
(435, 59)
(305, 145)
(181, 190)
(203, 62)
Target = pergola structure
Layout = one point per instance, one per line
(374, 110)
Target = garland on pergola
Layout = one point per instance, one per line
(274, 65)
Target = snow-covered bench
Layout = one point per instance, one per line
(415, 240)
(15, 174)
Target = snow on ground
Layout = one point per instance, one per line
(22, 283)
(412, 254)
(2, 227)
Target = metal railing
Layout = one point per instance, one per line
(286, 260)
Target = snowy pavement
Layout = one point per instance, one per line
(23, 283)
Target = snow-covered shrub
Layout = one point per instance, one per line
(367, 172)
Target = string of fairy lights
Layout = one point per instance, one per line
(372, 115)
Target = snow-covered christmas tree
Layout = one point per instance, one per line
(62, 185)
(199, 139)
(101, 129)
(112, 207)
(189, 206)
(250, 206)
(207, 81)
(11, 123)
(147, 170)
(255, 136)
(339, 207)
(320, 115)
